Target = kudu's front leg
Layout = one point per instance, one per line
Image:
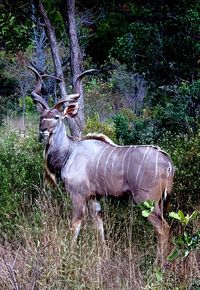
(79, 205)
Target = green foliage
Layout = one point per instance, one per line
(21, 171)
(190, 92)
(121, 128)
(186, 242)
(139, 46)
(174, 111)
(14, 34)
(113, 24)
(185, 154)
(161, 41)
(184, 220)
(147, 207)
(8, 88)
(128, 132)
(30, 107)
(94, 125)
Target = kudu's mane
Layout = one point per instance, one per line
(99, 137)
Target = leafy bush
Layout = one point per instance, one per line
(8, 89)
(187, 242)
(162, 46)
(129, 131)
(176, 113)
(185, 154)
(100, 98)
(176, 109)
(94, 125)
(21, 171)
(30, 106)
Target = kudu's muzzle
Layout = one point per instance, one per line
(43, 136)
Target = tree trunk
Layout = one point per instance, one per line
(39, 36)
(74, 128)
(76, 61)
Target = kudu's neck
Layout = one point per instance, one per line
(58, 148)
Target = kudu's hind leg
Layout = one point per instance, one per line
(78, 203)
(162, 230)
(95, 212)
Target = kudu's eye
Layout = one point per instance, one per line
(56, 117)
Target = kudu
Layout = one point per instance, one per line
(94, 166)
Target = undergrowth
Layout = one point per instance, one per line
(35, 241)
(41, 255)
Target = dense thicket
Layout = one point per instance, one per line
(148, 44)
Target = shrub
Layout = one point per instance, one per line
(185, 154)
(131, 130)
(94, 125)
(21, 171)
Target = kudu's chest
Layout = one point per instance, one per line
(54, 161)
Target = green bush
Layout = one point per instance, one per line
(137, 131)
(94, 125)
(21, 171)
(185, 154)
(8, 89)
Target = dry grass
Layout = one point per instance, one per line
(21, 125)
(41, 256)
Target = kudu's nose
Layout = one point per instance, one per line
(43, 135)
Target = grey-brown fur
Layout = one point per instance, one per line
(96, 166)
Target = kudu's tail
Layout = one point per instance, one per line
(168, 187)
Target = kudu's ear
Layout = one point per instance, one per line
(71, 110)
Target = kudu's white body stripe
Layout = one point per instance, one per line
(123, 165)
(105, 170)
(140, 166)
(142, 172)
(98, 160)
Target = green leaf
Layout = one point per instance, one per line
(173, 255)
(174, 215)
(181, 214)
(194, 215)
(146, 213)
(159, 276)
(179, 241)
(147, 204)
